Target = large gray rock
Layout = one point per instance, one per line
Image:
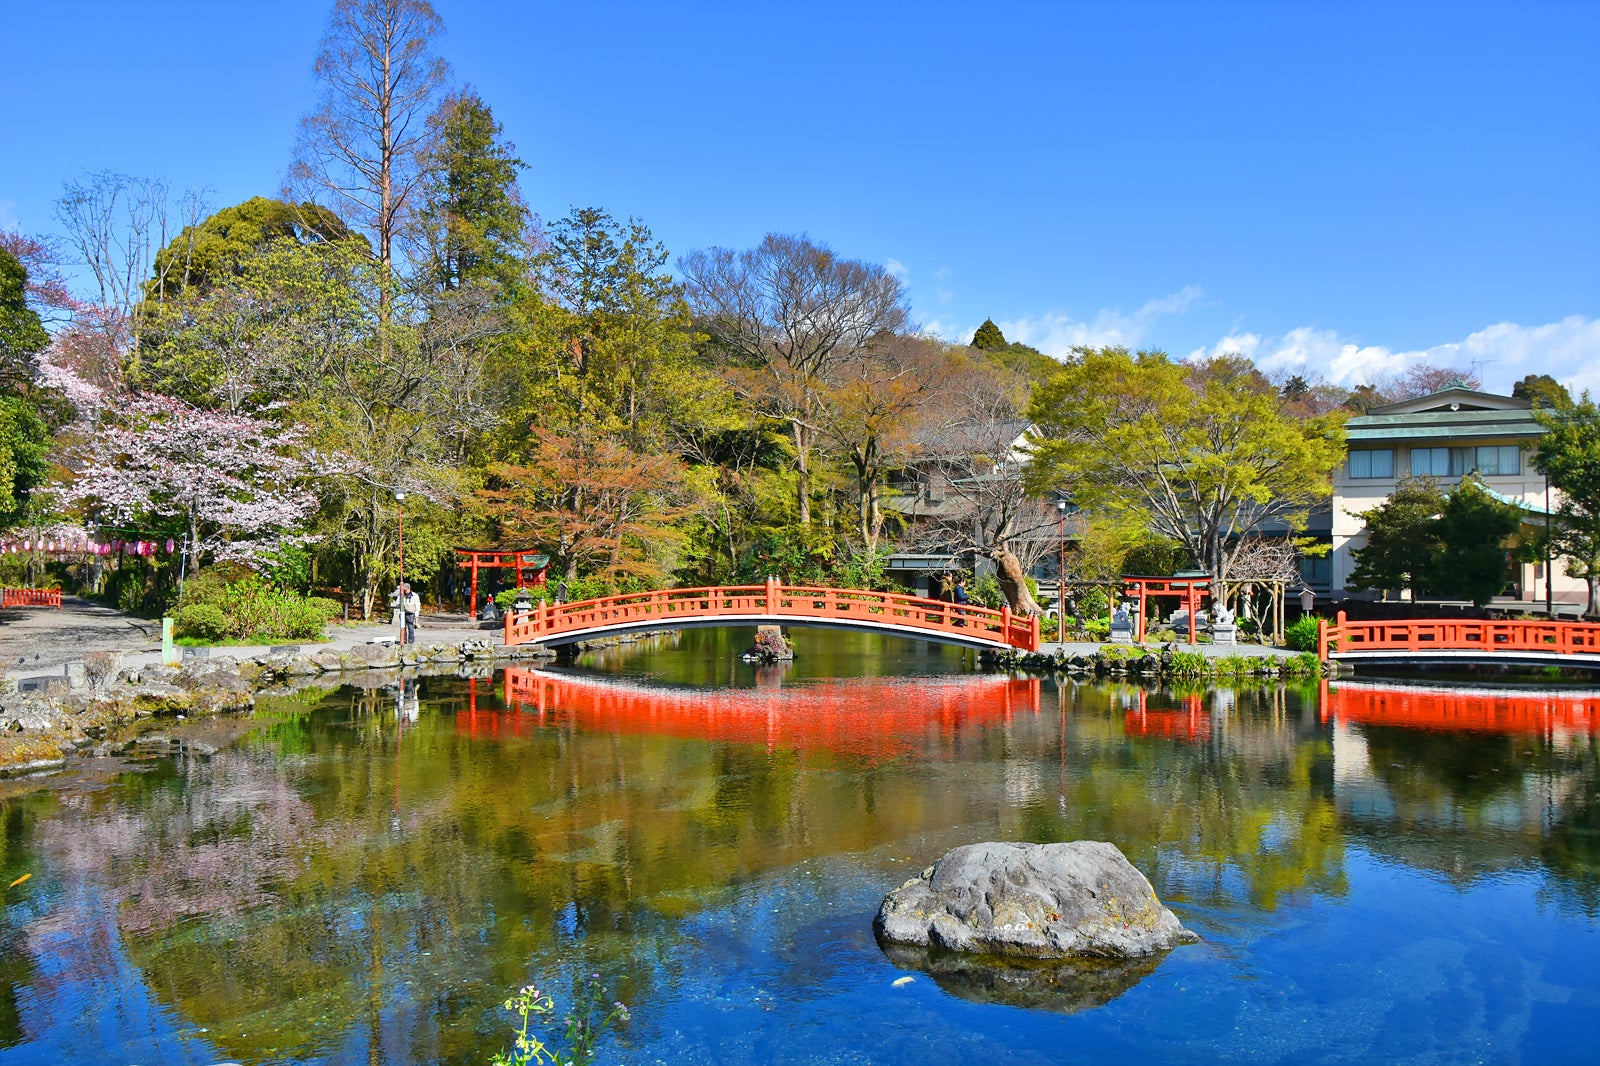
(1041, 901)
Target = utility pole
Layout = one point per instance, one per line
(1061, 578)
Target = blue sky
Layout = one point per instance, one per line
(1343, 188)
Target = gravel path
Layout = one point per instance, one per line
(36, 640)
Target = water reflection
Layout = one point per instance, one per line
(362, 877)
(869, 718)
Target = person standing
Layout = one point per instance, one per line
(959, 597)
(411, 603)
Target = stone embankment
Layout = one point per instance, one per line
(39, 729)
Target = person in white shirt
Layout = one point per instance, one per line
(411, 603)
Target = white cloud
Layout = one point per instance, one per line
(898, 269)
(1056, 333)
(1568, 350)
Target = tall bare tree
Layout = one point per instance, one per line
(790, 311)
(358, 149)
(115, 224)
(872, 412)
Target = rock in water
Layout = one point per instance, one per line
(1040, 901)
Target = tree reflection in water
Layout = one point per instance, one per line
(344, 884)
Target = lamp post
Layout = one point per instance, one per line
(400, 515)
(1061, 578)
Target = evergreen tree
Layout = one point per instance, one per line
(1543, 391)
(1403, 542)
(22, 334)
(1569, 455)
(989, 337)
(470, 226)
(216, 250)
(1473, 530)
(24, 433)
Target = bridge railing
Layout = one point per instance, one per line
(799, 602)
(30, 598)
(1458, 634)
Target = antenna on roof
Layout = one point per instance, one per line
(1478, 363)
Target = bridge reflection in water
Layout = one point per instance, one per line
(1538, 712)
(871, 718)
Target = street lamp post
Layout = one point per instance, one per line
(1061, 577)
(400, 515)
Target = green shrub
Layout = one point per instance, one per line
(1098, 628)
(329, 608)
(1306, 664)
(202, 621)
(986, 592)
(1094, 603)
(1301, 635)
(250, 608)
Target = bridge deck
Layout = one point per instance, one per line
(1462, 640)
(775, 604)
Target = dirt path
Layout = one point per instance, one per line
(36, 640)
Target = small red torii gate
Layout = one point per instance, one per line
(1189, 588)
(525, 561)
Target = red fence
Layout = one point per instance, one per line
(772, 602)
(1458, 634)
(30, 598)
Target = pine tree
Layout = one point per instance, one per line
(470, 227)
(989, 337)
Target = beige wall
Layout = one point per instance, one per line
(1351, 496)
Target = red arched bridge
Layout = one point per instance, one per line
(967, 625)
(1461, 640)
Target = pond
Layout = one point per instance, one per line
(1378, 872)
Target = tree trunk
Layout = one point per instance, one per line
(1013, 582)
(802, 443)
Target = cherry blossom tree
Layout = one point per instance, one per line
(237, 484)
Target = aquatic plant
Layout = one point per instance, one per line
(592, 1014)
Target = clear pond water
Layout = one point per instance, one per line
(1379, 873)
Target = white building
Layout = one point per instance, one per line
(1447, 435)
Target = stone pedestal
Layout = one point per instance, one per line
(1224, 634)
(1122, 632)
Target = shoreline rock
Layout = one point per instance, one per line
(1033, 901)
(38, 730)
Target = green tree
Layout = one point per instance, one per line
(1542, 390)
(1205, 451)
(22, 334)
(1473, 531)
(470, 222)
(788, 314)
(1403, 541)
(217, 249)
(1436, 543)
(1569, 455)
(24, 433)
(988, 337)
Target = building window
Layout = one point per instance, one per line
(1499, 460)
(1490, 460)
(1430, 462)
(1317, 572)
(1372, 462)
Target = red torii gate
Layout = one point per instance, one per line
(525, 561)
(1189, 588)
